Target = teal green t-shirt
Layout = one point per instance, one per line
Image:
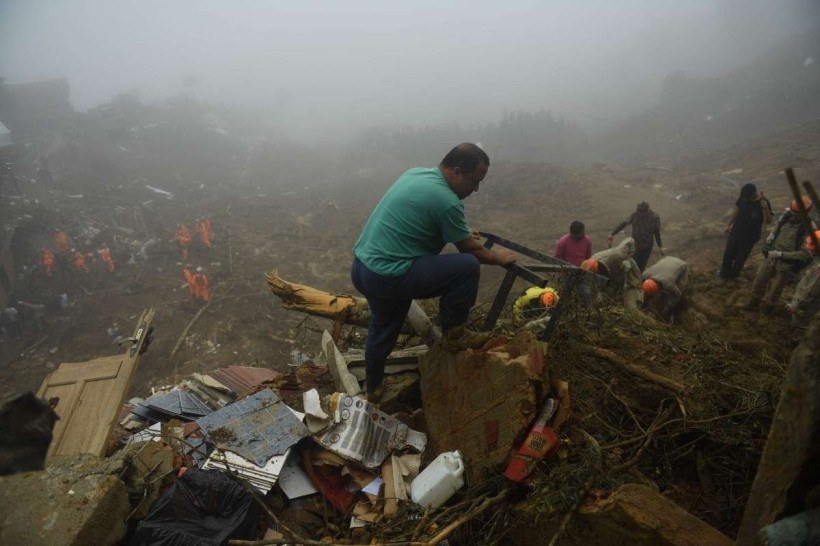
(417, 216)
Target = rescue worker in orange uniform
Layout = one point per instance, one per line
(79, 260)
(201, 286)
(189, 278)
(61, 240)
(105, 256)
(205, 228)
(47, 261)
(183, 237)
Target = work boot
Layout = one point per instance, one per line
(375, 397)
(461, 338)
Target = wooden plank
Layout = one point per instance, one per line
(403, 356)
(637, 515)
(360, 373)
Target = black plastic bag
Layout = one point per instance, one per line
(202, 508)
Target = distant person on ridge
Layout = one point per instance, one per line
(205, 229)
(188, 275)
(47, 261)
(752, 211)
(575, 246)
(183, 237)
(79, 259)
(646, 225)
(105, 256)
(201, 285)
(396, 257)
(61, 241)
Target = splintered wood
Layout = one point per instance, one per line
(299, 297)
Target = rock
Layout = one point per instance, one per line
(76, 500)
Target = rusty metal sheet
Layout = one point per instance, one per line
(257, 428)
(91, 395)
(243, 380)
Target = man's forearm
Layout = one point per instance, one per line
(618, 228)
(486, 256)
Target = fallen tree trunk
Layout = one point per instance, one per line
(299, 297)
(643, 373)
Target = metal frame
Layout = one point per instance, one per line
(530, 273)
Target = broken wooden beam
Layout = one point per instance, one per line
(299, 297)
(638, 371)
(634, 515)
(647, 517)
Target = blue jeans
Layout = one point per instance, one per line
(453, 277)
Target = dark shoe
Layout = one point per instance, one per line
(767, 309)
(461, 338)
(375, 397)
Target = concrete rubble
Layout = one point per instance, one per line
(75, 501)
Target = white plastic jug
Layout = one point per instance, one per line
(439, 481)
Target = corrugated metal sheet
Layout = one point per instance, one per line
(243, 380)
(257, 428)
(177, 404)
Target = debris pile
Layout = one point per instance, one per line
(329, 450)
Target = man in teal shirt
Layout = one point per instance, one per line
(397, 255)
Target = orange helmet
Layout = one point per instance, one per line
(548, 299)
(590, 264)
(650, 287)
(810, 243)
(807, 204)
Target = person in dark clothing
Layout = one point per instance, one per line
(646, 229)
(752, 211)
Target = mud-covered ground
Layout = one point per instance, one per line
(305, 231)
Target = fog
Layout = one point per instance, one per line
(329, 69)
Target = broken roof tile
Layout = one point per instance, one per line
(243, 380)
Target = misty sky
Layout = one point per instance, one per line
(331, 67)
